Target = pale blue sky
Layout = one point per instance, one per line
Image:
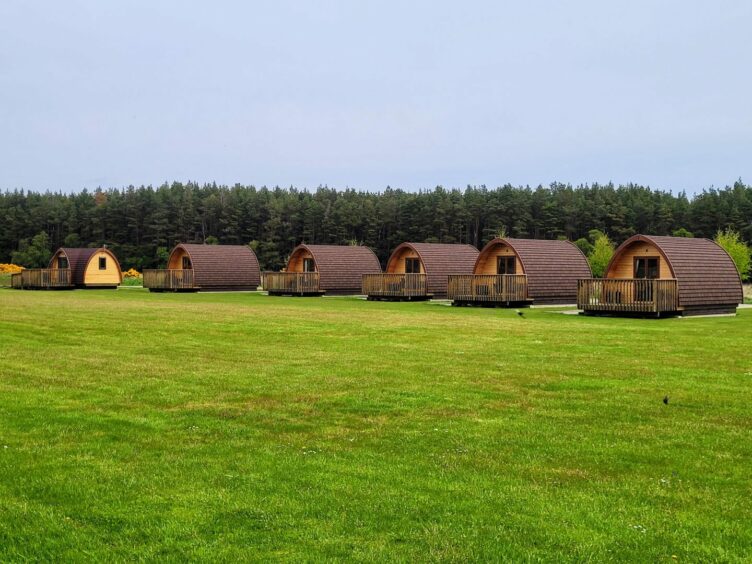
(369, 94)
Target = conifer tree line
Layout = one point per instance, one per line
(141, 224)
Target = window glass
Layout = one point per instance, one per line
(102, 263)
(646, 268)
(412, 266)
(62, 262)
(309, 265)
(505, 265)
(639, 268)
(186, 262)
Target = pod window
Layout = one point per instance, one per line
(412, 266)
(505, 265)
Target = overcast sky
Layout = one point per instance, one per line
(368, 94)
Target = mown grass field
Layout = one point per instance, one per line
(237, 426)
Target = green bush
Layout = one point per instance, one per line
(737, 249)
(600, 256)
(681, 232)
(132, 281)
(585, 246)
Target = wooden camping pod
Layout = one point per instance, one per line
(196, 267)
(512, 272)
(318, 269)
(73, 268)
(659, 275)
(419, 271)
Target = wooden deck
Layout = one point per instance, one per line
(395, 287)
(292, 283)
(627, 295)
(488, 289)
(169, 280)
(42, 279)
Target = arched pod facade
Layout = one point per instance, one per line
(664, 275)
(418, 271)
(73, 268)
(511, 272)
(323, 269)
(195, 267)
(90, 268)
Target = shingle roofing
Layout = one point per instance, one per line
(705, 273)
(341, 267)
(223, 266)
(552, 267)
(441, 260)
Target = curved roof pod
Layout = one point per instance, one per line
(438, 262)
(705, 274)
(340, 267)
(219, 267)
(79, 262)
(552, 267)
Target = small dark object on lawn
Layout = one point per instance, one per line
(665, 400)
(519, 313)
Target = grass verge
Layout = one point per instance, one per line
(240, 426)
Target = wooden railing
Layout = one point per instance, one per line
(627, 295)
(291, 282)
(42, 278)
(395, 285)
(169, 279)
(490, 288)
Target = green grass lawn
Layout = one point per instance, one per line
(239, 426)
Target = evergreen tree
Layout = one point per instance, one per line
(137, 221)
(34, 254)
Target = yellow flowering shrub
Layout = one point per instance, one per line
(132, 273)
(6, 268)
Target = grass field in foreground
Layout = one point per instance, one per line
(227, 426)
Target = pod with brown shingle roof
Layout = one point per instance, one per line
(196, 267)
(512, 272)
(313, 270)
(657, 275)
(419, 271)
